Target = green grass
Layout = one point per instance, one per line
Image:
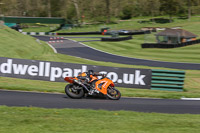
(35, 120)
(133, 24)
(16, 45)
(132, 48)
(191, 87)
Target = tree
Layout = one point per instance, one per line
(126, 12)
(1, 7)
(108, 10)
(190, 3)
(99, 10)
(49, 8)
(170, 7)
(75, 2)
(153, 7)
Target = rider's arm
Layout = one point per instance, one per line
(85, 78)
(80, 77)
(99, 74)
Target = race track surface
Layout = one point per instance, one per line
(46, 100)
(77, 49)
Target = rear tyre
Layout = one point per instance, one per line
(113, 93)
(75, 92)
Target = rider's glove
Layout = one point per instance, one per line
(87, 79)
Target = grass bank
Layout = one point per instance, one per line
(32, 120)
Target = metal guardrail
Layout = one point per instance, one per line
(38, 33)
(167, 80)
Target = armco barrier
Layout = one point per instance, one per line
(99, 33)
(116, 38)
(167, 80)
(38, 33)
(136, 32)
(81, 33)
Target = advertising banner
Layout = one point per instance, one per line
(57, 71)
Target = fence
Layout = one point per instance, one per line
(116, 38)
(167, 80)
(38, 33)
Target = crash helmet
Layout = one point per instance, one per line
(90, 72)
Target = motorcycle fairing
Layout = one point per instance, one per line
(105, 83)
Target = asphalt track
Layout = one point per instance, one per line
(78, 49)
(47, 100)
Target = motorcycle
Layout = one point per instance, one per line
(78, 87)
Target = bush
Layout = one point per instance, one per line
(126, 12)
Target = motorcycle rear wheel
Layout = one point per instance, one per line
(113, 93)
(74, 93)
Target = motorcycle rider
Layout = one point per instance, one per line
(88, 83)
(88, 78)
(88, 75)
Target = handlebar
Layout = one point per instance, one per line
(100, 74)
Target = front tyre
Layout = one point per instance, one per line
(113, 93)
(74, 91)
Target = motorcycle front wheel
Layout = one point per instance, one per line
(113, 93)
(73, 91)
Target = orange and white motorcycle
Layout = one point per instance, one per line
(79, 86)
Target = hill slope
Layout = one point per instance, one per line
(16, 45)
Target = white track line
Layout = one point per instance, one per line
(54, 50)
(190, 99)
